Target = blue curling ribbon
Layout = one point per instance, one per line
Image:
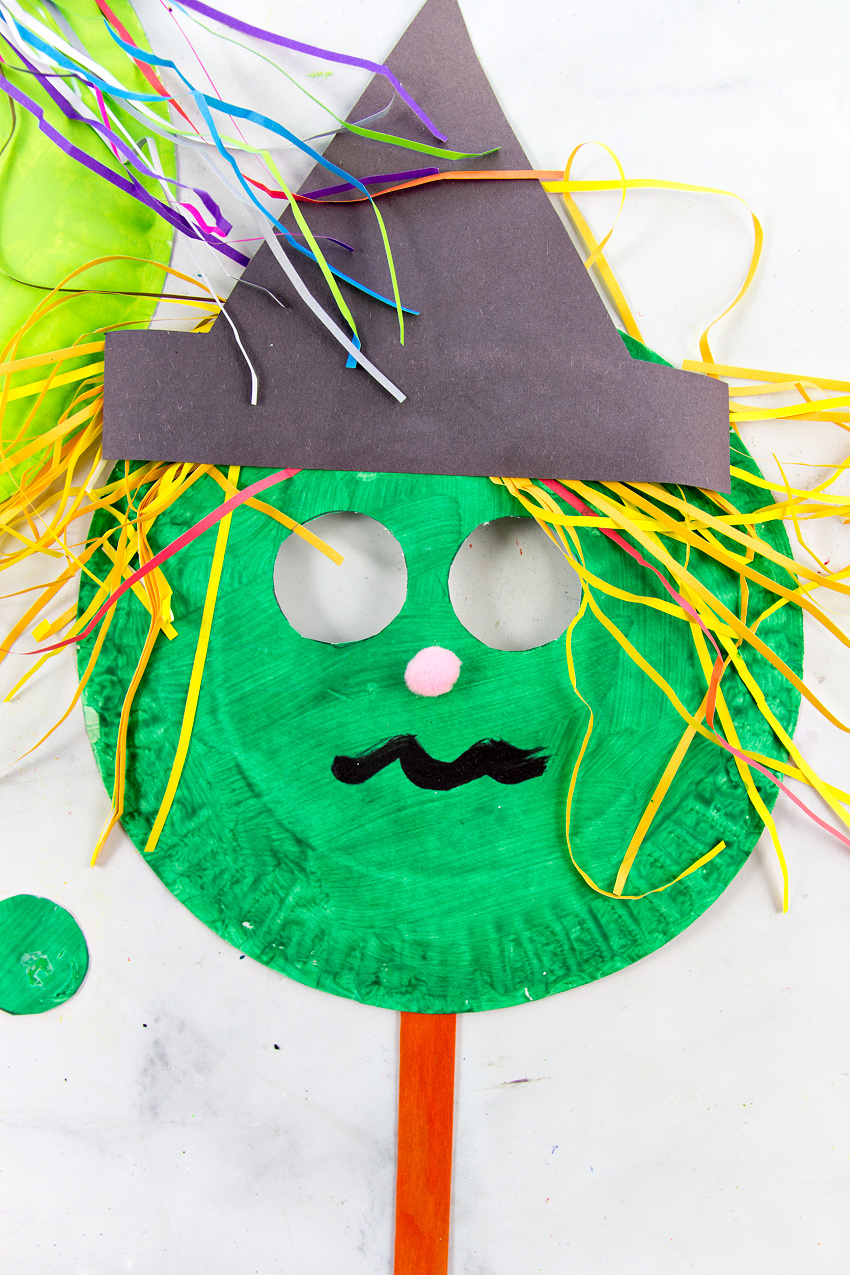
(351, 360)
(204, 101)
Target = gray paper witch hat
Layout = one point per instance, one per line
(513, 365)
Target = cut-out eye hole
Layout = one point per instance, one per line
(511, 587)
(346, 603)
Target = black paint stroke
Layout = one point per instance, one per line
(501, 761)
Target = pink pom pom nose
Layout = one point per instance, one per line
(432, 671)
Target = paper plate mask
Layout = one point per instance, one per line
(411, 851)
(405, 850)
(391, 889)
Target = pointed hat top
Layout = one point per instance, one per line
(512, 365)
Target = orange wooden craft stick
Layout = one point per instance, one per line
(425, 1119)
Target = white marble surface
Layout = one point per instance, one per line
(688, 1114)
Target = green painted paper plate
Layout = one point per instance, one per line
(394, 894)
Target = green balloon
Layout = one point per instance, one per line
(43, 955)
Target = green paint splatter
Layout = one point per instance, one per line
(43, 955)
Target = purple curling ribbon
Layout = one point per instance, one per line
(130, 185)
(222, 225)
(377, 68)
(372, 181)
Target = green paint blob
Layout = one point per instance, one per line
(384, 892)
(43, 955)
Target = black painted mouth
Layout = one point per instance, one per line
(502, 762)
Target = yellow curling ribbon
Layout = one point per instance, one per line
(567, 187)
(193, 693)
